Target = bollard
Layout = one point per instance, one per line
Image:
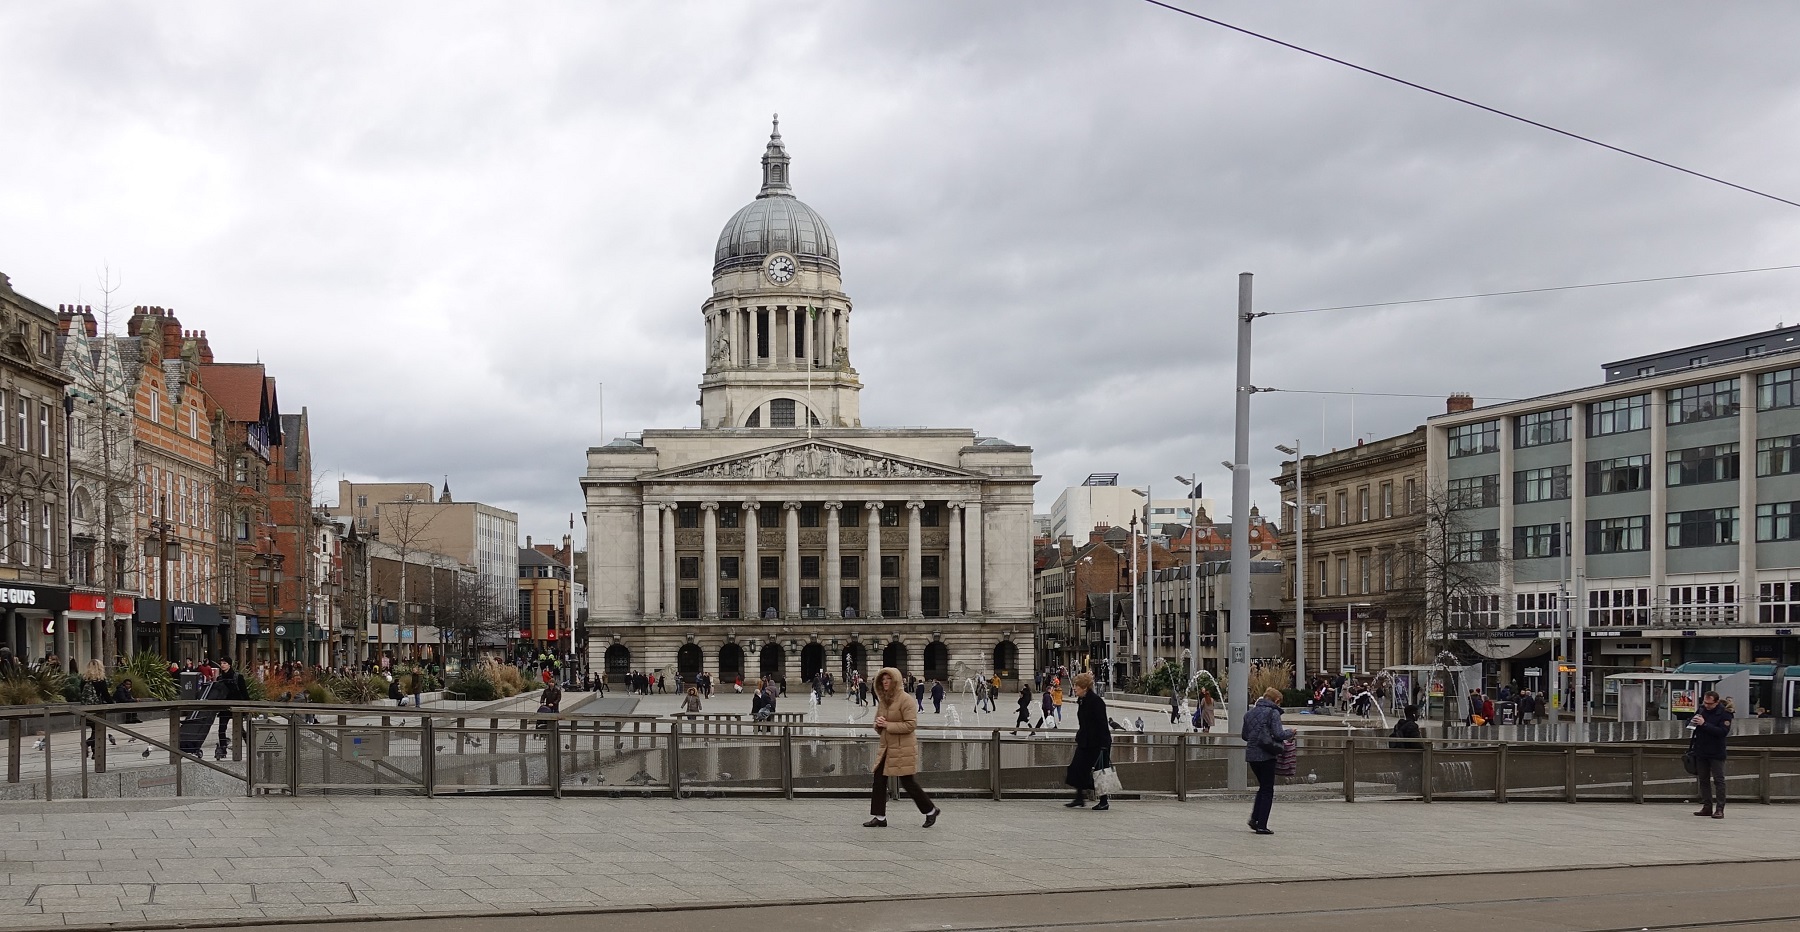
(1570, 790)
(1763, 778)
(787, 762)
(1500, 774)
(1637, 774)
(1181, 756)
(240, 735)
(1349, 770)
(994, 763)
(1425, 768)
(673, 759)
(15, 734)
(428, 755)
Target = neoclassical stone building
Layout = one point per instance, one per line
(782, 536)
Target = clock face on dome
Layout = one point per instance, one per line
(780, 268)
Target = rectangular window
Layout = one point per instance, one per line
(1618, 608)
(47, 552)
(771, 601)
(770, 568)
(1324, 581)
(728, 516)
(689, 567)
(1541, 427)
(1535, 610)
(890, 601)
(1695, 465)
(1775, 456)
(1618, 535)
(850, 515)
(1775, 389)
(1778, 603)
(1479, 546)
(890, 566)
(1473, 492)
(5, 534)
(1536, 541)
(1703, 605)
(728, 602)
(728, 567)
(1474, 439)
(1412, 495)
(850, 597)
(890, 516)
(1618, 415)
(928, 566)
(809, 596)
(1362, 504)
(1620, 474)
(931, 516)
(1343, 568)
(1708, 527)
(1547, 484)
(3, 410)
(809, 516)
(928, 602)
(690, 603)
(1387, 499)
(1775, 521)
(687, 516)
(1343, 508)
(1703, 402)
(1362, 571)
(24, 431)
(809, 567)
(1319, 514)
(1475, 611)
(849, 567)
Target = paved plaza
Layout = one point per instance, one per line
(139, 863)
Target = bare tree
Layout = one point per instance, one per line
(475, 614)
(1453, 572)
(406, 526)
(101, 442)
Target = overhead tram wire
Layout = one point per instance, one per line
(1479, 106)
(1502, 294)
(1258, 389)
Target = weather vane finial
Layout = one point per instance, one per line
(777, 130)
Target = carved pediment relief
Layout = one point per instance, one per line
(815, 460)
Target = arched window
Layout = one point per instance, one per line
(731, 661)
(83, 504)
(688, 660)
(937, 661)
(781, 412)
(1006, 659)
(894, 655)
(618, 660)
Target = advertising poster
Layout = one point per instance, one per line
(1682, 701)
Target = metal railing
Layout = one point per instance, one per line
(357, 750)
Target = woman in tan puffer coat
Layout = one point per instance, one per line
(896, 718)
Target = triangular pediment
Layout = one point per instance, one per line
(813, 459)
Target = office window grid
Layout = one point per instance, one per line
(1775, 389)
(1549, 483)
(1541, 427)
(1537, 541)
(1778, 603)
(1475, 611)
(1703, 402)
(1477, 546)
(1618, 535)
(1775, 455)
(1620, 474)
(1697, 465)
(1775, 521)
(1473, 492)
(1535, 609)
(1618, 415)
(1473, 439)
(1619, 608)
(1708, 527)
(1714, 604)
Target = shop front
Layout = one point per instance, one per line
(196, 631)
(87, 613)
(32, 619)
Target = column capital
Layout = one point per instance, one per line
(832, 506)
(915, 505)
(954, 505)
(750, 504)
(790, 506)
(874, 506)
(709, 506)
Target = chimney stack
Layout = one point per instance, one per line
(1459, 401)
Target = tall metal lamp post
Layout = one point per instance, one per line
(269, 573)
(1193, 572)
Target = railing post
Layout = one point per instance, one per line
(461, 739)
(493, 737)
(1637, 774)
(994, 773)
(1181, 761)
(293, 756)
(99, 749)
(250, 776)
(1763, 778)
(15, 735)
(1569, 787)
(674, 759)
(47, 745)
(427, 754)
(1425, 769)
(240, 734)
(1349, 770)
(175, 736)
(84, 767)
(787, 762)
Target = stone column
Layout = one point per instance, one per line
(872, 571)
(652, 560)
(972, 557)
(752, 359)
(709, 563)
(670, 602)
(750, 574)
(955, 511)
(787, 342)
(827, 335)
(790, 569)
(809, 329)
(834, 562)
(914, 586)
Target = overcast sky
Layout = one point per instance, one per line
(443, 225)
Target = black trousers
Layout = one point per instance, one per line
(1712, 781)
(878, 796)
(1265, 792)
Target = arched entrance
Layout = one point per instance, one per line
(688, 661)
(774, 659)
(855, 659)
(894, 655)
(937, 661)
(731, 662)
(812, 660)
(1006, 659)
(618, 661)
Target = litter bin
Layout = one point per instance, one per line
(189, 684)
(1507, 712)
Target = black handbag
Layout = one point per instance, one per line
(1690, 761)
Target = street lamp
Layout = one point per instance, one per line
(161, 549)
(269, 573)
(1344, 642)
(1192, 654)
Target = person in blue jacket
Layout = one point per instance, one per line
(1711, 726)
(1263, 737)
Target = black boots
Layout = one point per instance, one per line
(1705, 811)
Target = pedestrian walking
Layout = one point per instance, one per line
(1174, 707)
(1208, 711)
(937, 697)
(1093, 743)
(896, 720)
(918, 692)
(1263, 737)
(230, 687)
(1711, 724)
(1056, 701)
(1048, 711)
(1024, 707)
(95, 692)
(692, 703)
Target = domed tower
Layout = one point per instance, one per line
(778, 321)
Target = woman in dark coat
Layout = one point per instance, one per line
(1093, 743)
(1024, 708)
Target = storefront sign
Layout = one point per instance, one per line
(17, 595)
(96, 604)
(188, 614)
